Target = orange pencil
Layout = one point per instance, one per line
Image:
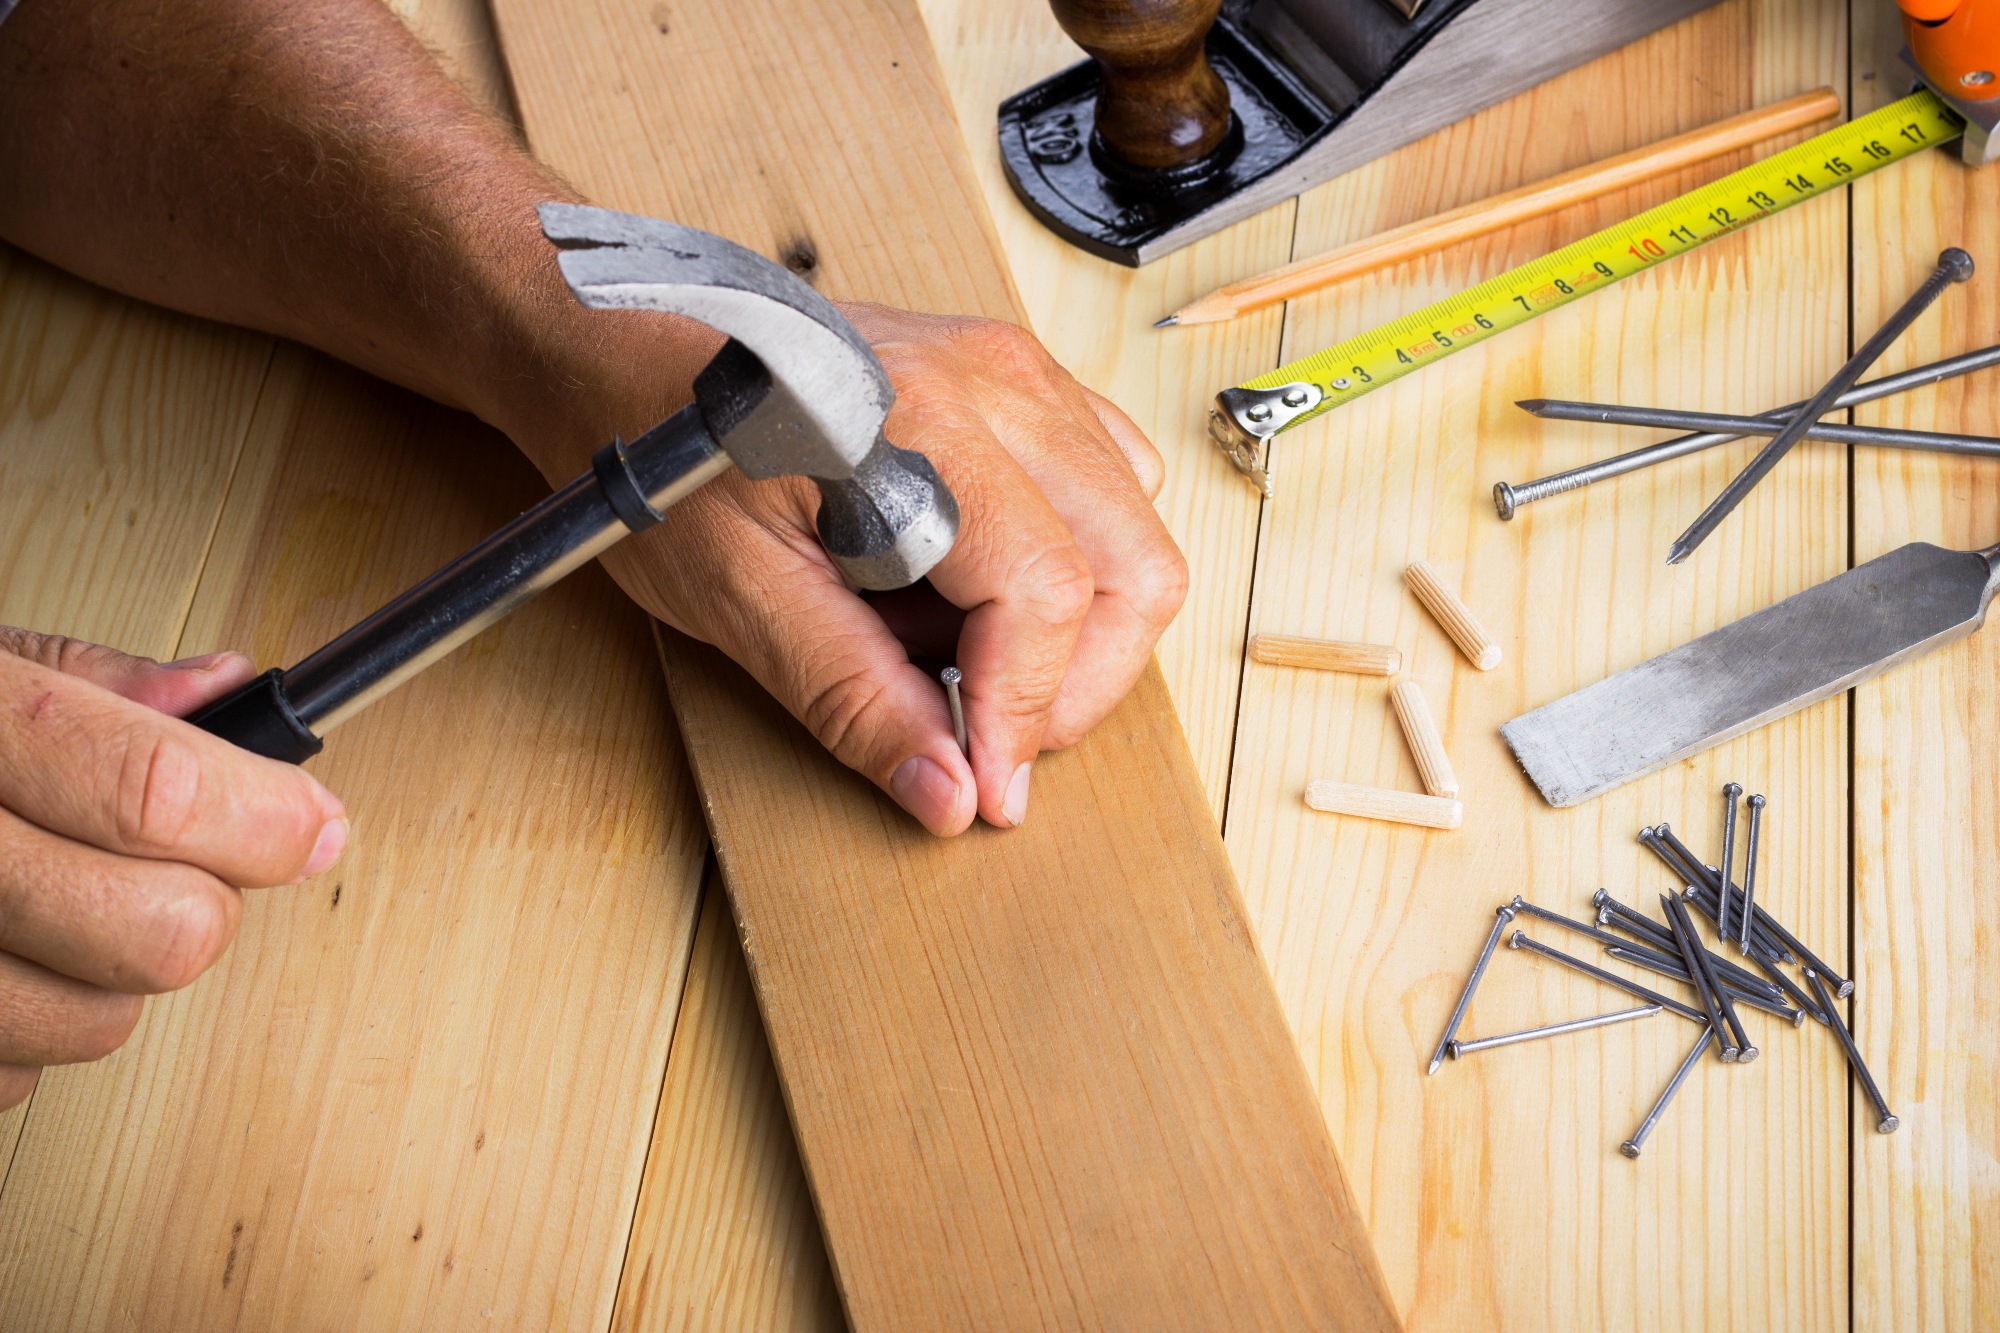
(1504, 210)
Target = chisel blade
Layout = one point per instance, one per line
(1757, 670)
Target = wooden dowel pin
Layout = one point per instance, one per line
(1398, 807)
(1426, 746)
(1360, 659)
(1477, 645)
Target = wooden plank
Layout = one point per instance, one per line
(1096, 317)
(1020, 1064)
(1926, 1238)
(415, 1091)
(1495, 1190)
(120, 425)
(724, 1236)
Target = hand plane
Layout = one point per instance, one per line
(1197, 113)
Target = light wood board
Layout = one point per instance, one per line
(1926, 1227)
(1020, 1064)
(1370, 928)
(415, 1092)
(416, 1089)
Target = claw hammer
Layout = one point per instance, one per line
(795, 391)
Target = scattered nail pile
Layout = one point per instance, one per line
(1675, 949)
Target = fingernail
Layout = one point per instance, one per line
(923, 788)
(1015, 805)
(206, 662)
(332, 842)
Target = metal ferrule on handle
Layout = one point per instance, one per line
(534, 552)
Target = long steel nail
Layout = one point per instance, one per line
(1521, 904)
(1639, 955)
(1703, 877)
(1632, 1145)
(1703, 900)
(1887, 1123)
(951, 676)
(1745, 1052)
(1830, 432)
(1646, 929)
(1520, 940)
(1460, 1048)
(1682, 936)
(1954, 265)
(1508, 499)
(1731, 793)
(1764, 960)
(1750, 871)
(1501, 917)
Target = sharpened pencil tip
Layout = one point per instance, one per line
(1163, 323)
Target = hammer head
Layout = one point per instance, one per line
(795, 392)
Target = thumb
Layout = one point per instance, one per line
(173, 688)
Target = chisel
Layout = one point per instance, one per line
(1765, 666)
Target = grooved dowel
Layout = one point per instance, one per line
(1425, 743)
(1360, 659)
(1477, 645)
(1398, 807)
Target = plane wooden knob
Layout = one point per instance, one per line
(1162, 106)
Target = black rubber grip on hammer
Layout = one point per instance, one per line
(259, 718)
(621, 488)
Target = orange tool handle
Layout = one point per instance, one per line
(1956, 43)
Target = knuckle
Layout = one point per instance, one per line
(840, 712)
(191, 925)
(1057, 587)
(1161, 586)
(110, 1021)
(158, 792)
(1010, 350)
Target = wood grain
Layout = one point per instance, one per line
(1420, 730)
(1453, 616)
(1926, 781)
(1359, 659)
(120, 425)
(1018, 1063)
(416, 1089)
(1395, 807)
(1368, 926)
(724, 1236)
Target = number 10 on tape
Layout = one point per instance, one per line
(1252, 412)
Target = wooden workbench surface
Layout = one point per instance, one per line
(424, 1103)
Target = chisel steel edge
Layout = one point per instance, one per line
(1763, 667)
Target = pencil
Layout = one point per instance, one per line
(1505, 210)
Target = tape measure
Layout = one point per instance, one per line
(1252, 412)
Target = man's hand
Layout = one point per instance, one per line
(307, 169)
(124, 838)
(1061, 582)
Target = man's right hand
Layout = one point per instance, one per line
(125, 837)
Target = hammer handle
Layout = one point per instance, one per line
(284, 713)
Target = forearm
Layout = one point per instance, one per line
(307, 169)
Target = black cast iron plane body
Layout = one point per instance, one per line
(1316, 88)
